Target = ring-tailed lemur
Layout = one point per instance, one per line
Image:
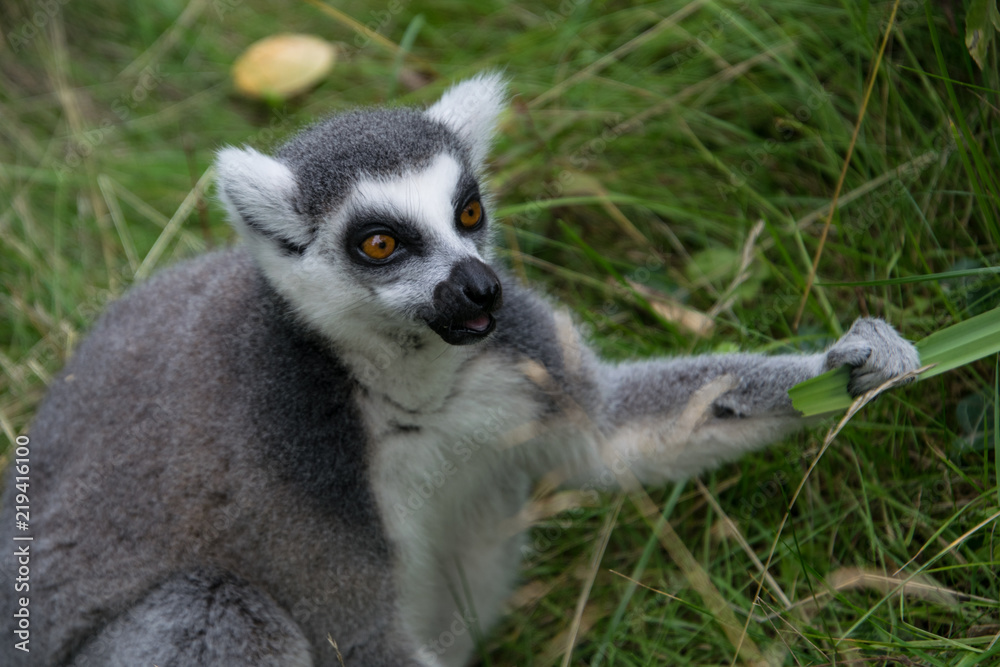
(325, 432)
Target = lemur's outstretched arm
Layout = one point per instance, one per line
(670, 419)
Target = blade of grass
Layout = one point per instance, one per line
(981, 178)
(362, 29)
(847, 163)
(637, 573)
(617, 54)
(595, 564)
(945, 350)
(853, 409)
(405, 47)
(907, 280)
(600, 260)
(172, 227)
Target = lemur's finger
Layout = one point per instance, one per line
(848, 352)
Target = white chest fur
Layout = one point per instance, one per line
(448, 471)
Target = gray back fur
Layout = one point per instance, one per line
(226, 437)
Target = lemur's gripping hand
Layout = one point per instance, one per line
(875, 353)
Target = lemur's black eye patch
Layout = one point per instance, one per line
(376, 237)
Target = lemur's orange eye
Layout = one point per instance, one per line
(378, 246)
(471, 214)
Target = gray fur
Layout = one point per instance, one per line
(209, 442)
(269, 445)
(200, 618)
(871, 347)
(376, 142)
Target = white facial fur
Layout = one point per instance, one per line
(372, 313)
(325, 283)
(369, 313)
(425, 198)
(259, 192)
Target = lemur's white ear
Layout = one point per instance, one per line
(471, 109)
(259, 193)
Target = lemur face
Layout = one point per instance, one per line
(376, 221)
(417, 244)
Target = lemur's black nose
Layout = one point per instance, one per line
(478, 283)
(464, 303)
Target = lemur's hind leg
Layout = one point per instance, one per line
(210, 618)
(205, 617)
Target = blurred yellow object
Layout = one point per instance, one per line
(282, 66)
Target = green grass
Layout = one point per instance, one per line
(639, 153)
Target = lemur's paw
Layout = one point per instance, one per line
(875, 353)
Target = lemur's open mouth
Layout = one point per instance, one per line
(465, 331)
(480, 324)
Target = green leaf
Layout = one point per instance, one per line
(907, 280)
(981, 24)
(949, 348)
